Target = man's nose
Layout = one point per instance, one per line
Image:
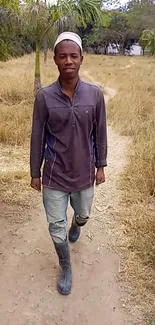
(68, 60)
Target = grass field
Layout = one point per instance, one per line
(131, 112)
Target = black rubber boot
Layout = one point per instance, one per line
(64, 283)
(74, 231)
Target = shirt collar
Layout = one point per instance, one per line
(76, 88)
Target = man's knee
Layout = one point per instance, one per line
(81, 221)
(57, 231)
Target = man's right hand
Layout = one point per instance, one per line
(36, 184)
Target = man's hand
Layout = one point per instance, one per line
(100, 176)
(36, 184)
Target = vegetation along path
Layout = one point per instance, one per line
(29, 265)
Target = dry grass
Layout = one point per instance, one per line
(132, 112)
(16, 98)
(16, 104)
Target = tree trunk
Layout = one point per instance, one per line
(37, 80)
(45, 47)
(106, 49)
(122, 43)
(122, 49)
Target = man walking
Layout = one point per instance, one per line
(69, 134)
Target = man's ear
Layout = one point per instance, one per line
(82, 59)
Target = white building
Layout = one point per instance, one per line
(136, 50)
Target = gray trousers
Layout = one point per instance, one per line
(56, 204)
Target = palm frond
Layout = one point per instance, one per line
(64, 14)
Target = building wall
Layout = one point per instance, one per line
(136, 50)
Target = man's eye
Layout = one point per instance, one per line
(74, 56)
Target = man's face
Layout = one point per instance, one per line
(68, 59)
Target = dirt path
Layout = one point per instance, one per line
(29, 265)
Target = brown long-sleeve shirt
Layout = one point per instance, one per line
(71, 137)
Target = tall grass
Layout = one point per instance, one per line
(16, 98)
(16, 105)
(132, 113)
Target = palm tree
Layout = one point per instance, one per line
(45, 45)
(40, 18)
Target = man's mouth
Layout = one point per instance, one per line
(69, 69)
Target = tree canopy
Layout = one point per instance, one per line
(25, 23)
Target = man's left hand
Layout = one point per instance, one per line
(100, 176)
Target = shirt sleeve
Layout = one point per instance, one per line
(37, 146)
(100, 132)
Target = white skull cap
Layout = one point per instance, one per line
(69, 36)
